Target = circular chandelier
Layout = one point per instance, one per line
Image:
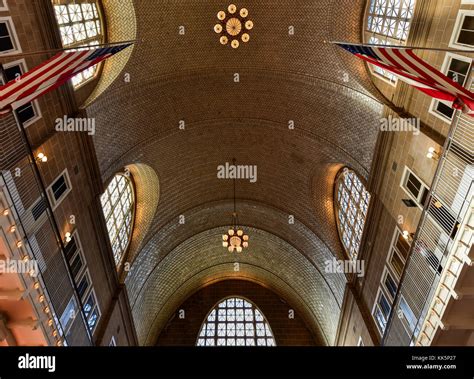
(235, 239)
(233, 26)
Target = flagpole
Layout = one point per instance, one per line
(402, 47)
(68, 48)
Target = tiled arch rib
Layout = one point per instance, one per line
(189, 265)
(218, 214)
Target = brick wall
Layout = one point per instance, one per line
(65, 150)
(287, 332)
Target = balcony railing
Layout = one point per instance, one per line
(23, 186)
(439, 232)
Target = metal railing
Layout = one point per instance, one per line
(34, 215)
(448, 204)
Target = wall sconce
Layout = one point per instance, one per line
(41, 158)
(12, 229)
(6, 212)
(432, 154)
(408, 236)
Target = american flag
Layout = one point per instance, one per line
(50, 75)
(404, 64)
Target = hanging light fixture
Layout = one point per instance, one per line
(233, 26)
(235, 239)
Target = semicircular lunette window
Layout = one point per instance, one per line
(118, 205)
(235, 322)
(79, 24)
(352, 204)
(388, 23)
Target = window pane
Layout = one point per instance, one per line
(118, 216)
(351, 209)
(79, 25)
(6, 42)
(235, 325)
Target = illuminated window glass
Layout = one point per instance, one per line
(352, 204)
(388, 23)
(235, 322)
(79, 25)
(118, 207)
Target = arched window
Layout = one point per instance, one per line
(388, 23)
(235, 322)
(352, 203)
(80, 25)
(118, 205)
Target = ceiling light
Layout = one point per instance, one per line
(41, 158)
(233, 26)
(432, 154)
(235, 239)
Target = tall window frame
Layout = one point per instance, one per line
(3, 6)
(351, 203)
(11, 34)
(80, 24)
(235, 321)
(451, 61)
(388, 22)
(118, 205)
(32, 106)
(463, 29)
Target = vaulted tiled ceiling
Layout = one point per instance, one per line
(283, 77)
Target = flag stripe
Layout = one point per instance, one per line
(51, 74)
(408, 67)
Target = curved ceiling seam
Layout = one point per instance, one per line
(247, 201)
(316, 319)
(304, 253)
(313, 264)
